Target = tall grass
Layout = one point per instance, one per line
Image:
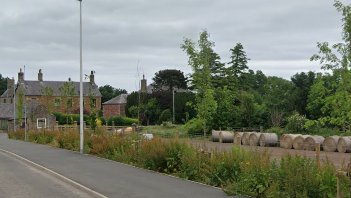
(238, 172)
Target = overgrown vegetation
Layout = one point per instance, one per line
(238, 172)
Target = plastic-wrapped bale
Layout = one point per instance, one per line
(286, 141)
(215, 136)
(268, 139)
(330, 144)
(254, 139)
(311, 142)
(298, 142)
(245, 138)
(226, 137)
(344, 145)
(237, 137)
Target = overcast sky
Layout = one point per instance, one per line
(279, 36)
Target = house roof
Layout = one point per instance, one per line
(121, 99)
(7, 94)
(6, 111)
(35, 88)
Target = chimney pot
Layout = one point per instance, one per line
(92, 77)
(21, 76)
(40, 75)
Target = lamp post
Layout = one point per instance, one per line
(173, 91)
(81, 129)
(14, 105)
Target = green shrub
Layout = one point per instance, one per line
(69, 118)
(194, 127)
(296, 123)
(121, 121)
(166, 116)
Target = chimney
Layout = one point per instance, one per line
(21, 76)
(92, 77)
(10, 83)
(40, 76)
(143, 88)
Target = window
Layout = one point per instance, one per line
(57, 102)
(41, 123)
(5, 101)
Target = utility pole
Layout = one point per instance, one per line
(25, 105)
(81, 127)
(14, 105)
(173, 91)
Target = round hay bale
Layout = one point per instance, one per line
(344, 144)
(311, 142)
(330, 143)
(128, 130)
(215, 136)
(253, 139)
(298, 142)
(245, 138)
(286, 141)
(268, 139)
(226, 137)
(237, 137)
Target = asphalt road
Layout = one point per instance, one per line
(109, 178)
(17, 179)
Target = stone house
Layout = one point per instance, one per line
(39, 98)
(58, 96)
(115, 107)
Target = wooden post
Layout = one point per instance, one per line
(337, 186)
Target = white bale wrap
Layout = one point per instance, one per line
(215, 136)
(330, 144)
(226, 137)
(245, 138)
(311, 142)
(253, 139)
(268, 139)
(298, 142)
(344, 144)
(286, 141)
(237, 138)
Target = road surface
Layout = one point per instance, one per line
(111, 179)
(18, 179)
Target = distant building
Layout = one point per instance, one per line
(115, 107)
(38, 98)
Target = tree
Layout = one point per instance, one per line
(200, 59)
(237, 65)
(303, 83)
(48, 93)
(335, 58)
(169, 79)
(3, 84)
(108, 92)
(68, 90)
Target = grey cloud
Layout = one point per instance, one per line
(279, 36)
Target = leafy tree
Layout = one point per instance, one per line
(201, 59)
(67, 93)
(108, 92)
(336, 58)
(3, 84)
(48, 93)
(169, 79)
(303, 82)
(225, 114)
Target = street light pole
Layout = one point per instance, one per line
(81, 129)
(173, 107)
